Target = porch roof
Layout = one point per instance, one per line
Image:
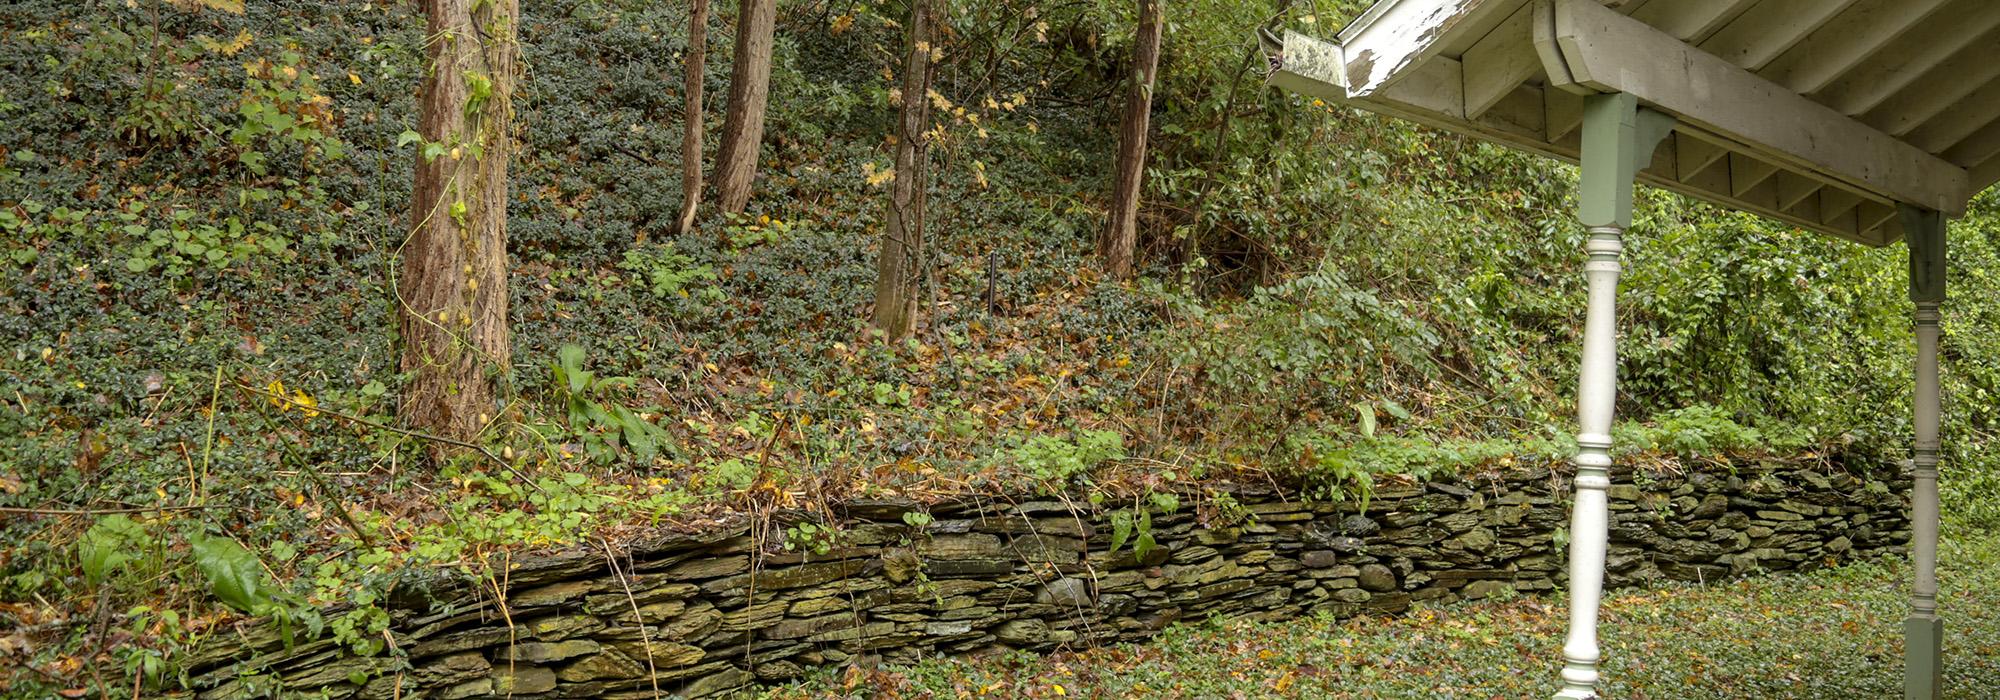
(1825, 114)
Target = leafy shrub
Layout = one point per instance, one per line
(595, 415)
(1055, 460)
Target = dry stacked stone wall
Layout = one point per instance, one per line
(691, 614)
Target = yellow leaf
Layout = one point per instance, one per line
(305, 403)
(352, 78)
(238, 44)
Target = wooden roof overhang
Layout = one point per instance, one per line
(1825, 114)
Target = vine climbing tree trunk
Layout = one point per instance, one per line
(452, 289)
(900, 268)
(1121, 233)
(749, 91)
(696, 61)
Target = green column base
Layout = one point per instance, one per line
(1923, 658)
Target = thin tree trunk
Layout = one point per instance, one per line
(696, 60)
(749, 91)
(452, 290)
(1121, 234)
(899, 270)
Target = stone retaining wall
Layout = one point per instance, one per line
(1035, 575)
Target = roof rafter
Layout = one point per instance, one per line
(1959, 123)
(1692, 21)
(1938, 89)
(1770, 28)
(1841, 45)
(1923, 48)
(1983, 147)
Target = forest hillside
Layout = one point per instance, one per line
(203, 207)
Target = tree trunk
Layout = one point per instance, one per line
(900, 268)
(749, 90)
(1121, 234)
(696, 60)
(452, 290)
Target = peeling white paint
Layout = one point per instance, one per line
(1383, 43)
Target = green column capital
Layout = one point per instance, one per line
(1619, 138)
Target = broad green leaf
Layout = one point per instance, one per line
(104, 546)
(1121, 529)
(233, 572)
(1145, 544)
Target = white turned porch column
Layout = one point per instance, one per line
(1923, 632)
(1618, 141)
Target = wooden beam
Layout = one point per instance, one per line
(1610, 52)
(1910, 57)
(1770, 28)
(1691, 20)
(1939, 89)
(1844, 43)
(1500, 61)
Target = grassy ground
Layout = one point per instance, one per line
(1830, 634)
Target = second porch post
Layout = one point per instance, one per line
(1923, 631)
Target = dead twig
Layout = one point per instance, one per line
(96, 511)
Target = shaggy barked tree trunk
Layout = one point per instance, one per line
(696, 61)
(452, 289)
(1121, 233)
(899, 270)
(749, 91)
